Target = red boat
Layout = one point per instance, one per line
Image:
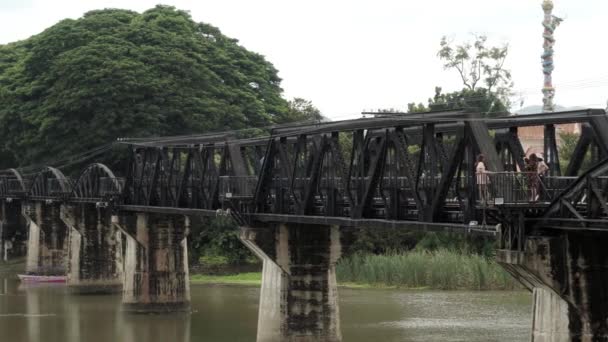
(26, 278)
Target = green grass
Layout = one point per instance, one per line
(214, 260)
(442, 269)
(220, 260)
(253, 278)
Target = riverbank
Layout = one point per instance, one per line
(12, 266)
(255, 279)
(436, 270)
(249, 278)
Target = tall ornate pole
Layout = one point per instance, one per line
(550, 23)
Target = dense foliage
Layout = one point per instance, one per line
(478, 100)
(115, 73)
(566, 151)
(219, 237)
(300, 109)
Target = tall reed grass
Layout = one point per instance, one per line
(441, 269)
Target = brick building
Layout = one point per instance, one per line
(532, 137)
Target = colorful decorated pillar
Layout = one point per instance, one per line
(550, 24)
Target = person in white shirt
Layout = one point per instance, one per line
(542, 169)
(481, 174)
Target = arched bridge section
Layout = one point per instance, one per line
(12, 183)
(13, 187)
(96, 183)
(50, 183)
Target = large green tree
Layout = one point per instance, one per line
(116, 73)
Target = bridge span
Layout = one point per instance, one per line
(297, 196)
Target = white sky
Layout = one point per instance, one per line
(350, 55)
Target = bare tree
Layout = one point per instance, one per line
(475, 63)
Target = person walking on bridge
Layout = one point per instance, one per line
(542, 170)
(532, 173)
(481, 175)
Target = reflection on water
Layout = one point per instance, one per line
(229, 314)
(437, 316)
(43, 313)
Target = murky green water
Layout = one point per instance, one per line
(229, 314)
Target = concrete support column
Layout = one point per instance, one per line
(3, 249)
(3, 235)
(568, 275)
(13, 230)
(550, 316)
(299, 297)
(95, 250)
(47, 243)
(156, 275)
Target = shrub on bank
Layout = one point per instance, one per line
(441, 269)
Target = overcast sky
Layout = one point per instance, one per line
(349, 55)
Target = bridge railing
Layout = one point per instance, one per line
(502, 187)
(232, 187)
(59, 188)
(553, 186)
(357, 184)
(4, 186)
(111, 186)
(13, 187)
(508, 187)
(16, 186)
(523, 187)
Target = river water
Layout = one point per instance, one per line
(229, 314)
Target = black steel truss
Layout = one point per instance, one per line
(411, 168)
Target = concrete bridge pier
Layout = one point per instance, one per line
(13, 230)
(47, 242)
(299, 297)
(95, 249)
(568, 274)
(156, 275)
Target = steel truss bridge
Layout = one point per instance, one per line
(412, 171)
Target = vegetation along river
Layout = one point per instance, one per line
(229, 314)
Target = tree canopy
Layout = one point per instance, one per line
(300, 109)
(116, 73)
(479, 99)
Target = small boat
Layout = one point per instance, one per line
(30, 278)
